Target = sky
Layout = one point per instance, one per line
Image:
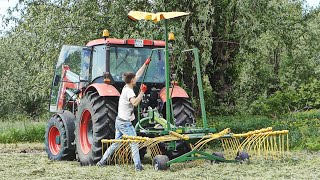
(5, 4)
(309, 2)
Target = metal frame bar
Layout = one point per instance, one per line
(195, 155)
(167, 74)
(200, 88)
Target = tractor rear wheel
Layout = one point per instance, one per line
(183, 111)
(58, 147)
(95, 121)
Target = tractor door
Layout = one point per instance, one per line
(71, 74)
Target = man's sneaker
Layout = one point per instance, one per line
(139, 168)
(100, 164)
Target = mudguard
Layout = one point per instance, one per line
(103, 89)
(177, 92)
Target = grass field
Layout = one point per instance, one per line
(29, 161)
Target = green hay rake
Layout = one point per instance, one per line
(264, 143)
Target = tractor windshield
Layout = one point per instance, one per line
(130, 59)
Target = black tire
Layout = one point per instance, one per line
(242, 157)
(218, 154)
(183, 114)
(103, 112)
(183, 111)
(66, 151)
(142, 152)
(182, 147)
(160, 162)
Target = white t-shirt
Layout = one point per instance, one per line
(125, 109)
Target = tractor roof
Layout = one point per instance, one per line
(146, 42)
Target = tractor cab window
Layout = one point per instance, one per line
(71, 73)
(130, 59)
(98, 61)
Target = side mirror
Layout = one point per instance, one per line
(56, 80)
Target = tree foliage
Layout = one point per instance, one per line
(257, 57)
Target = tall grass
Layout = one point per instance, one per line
(21, 128)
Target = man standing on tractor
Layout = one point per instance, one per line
(123, 125)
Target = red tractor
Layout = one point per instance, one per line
(85, 91)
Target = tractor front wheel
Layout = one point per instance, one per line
(95, 121)
(58, 147)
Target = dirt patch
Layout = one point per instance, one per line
(34, 164)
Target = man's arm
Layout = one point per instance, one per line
(136, 100)
(141, 70)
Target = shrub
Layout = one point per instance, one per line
(238, 124)
(304, 127)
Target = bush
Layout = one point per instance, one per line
(304, 127)
(238, 124)
(305, 97)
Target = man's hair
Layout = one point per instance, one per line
(127, 77)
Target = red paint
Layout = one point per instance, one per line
(64, 85)
(53, 145)
(159, 43)
(84, 140)
(109, 40)
(130, 41)
(104, 89)
(146, 42)
(177, 92)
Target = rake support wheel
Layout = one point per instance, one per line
(95, 121)
(218, 154)
(242, 157)
(160, 162)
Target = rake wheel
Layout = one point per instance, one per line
(160, 162)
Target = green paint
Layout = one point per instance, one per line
(167, 74)
(196, 154)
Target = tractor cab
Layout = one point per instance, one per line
(103, 61)
(119, 56)
(71, 73)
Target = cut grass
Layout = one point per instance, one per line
(34, 164)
